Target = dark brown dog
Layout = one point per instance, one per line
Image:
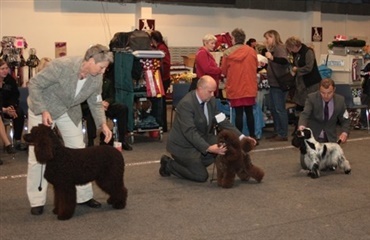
(66, 168)
(236, 161)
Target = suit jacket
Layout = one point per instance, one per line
(54, 88)
(190, 134)
(313, 116)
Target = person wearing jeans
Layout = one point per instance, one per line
(278, 63)
(279, 113)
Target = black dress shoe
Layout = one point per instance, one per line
(21, 146)
(92, 203)
(10, 149)
(163, 171)
(126, 146)
(37, 210)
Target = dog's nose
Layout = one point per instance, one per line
(27, 137)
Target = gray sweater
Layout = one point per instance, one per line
(54, 88)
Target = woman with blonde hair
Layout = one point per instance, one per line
(205, 63)
(278, 63)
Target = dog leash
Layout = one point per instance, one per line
(56, 132)
(213, 173)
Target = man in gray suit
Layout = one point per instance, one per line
(323, 111)
(55, 95)
(191, 141)
(313, 115)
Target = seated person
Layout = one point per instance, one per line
(113, 110)
(365, 97)
(5, 139)
(9, 148)
(191, 141)
(10, 101)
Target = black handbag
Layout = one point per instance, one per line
(286, 81)
(194, 81)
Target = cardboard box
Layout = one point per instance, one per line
(189, 60)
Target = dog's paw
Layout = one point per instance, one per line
(119, 205)
(227, 184)
(313, 175)
(64, 217)
(315, 172)
(347, 171)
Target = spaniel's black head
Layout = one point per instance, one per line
(299, 137)
(305, 133)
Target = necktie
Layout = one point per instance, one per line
(204, 110)
(202, 105)
(326, 112)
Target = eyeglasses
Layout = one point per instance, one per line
(100, 52)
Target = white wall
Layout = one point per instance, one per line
(82, 23)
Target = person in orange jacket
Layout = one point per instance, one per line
(239, 65)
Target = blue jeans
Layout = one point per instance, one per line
(278, 110)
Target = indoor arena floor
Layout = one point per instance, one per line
(286, 205)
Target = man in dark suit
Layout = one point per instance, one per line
(191, 141)
(323, 111)
(313, 116)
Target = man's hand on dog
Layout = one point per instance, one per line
(216, 149)
(342, 137)
(252, 139)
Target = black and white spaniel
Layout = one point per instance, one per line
(318, 156)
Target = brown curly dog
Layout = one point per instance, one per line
(236, 161)
(66, 168)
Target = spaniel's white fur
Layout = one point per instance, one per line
(318, 156)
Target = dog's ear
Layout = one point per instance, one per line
(296, 141)
(247, 144)
(43, 145)
(303, 149)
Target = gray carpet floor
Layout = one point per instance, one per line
(286, 205)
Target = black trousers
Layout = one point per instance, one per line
(18, 123)
(116, 111)
(250, 119)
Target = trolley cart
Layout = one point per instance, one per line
(142, 95)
